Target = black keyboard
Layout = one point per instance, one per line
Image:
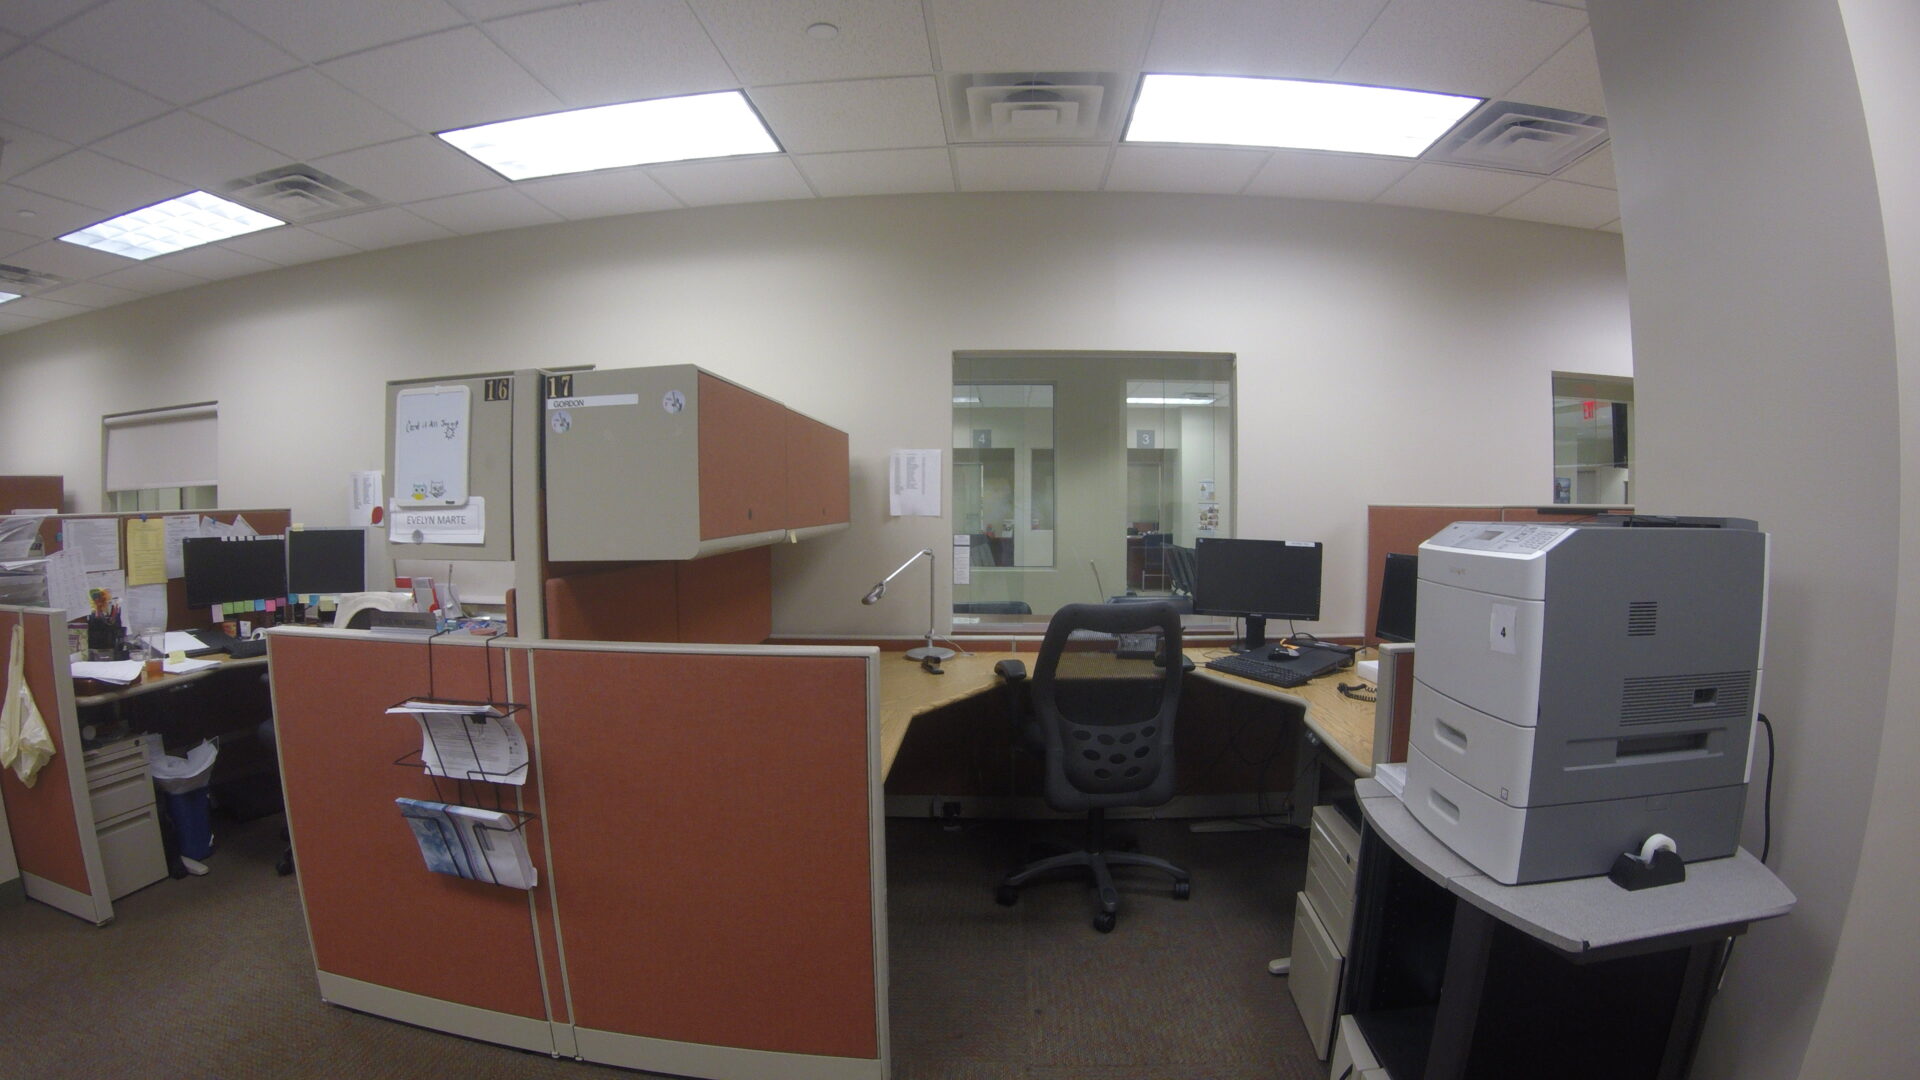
(243, 650)
(1309, 665)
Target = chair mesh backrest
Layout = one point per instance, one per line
(1108, 721)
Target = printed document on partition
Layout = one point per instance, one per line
(67, 584)
(430, 436)
(146, 551)
(473, 743)
(363, 497)
(962, 559)
(178, 527)
(144, 607)
(913, 483)
(496, 848)
(96, 539)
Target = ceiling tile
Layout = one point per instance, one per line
(149, 279)
(375, 229)
(1301, 39)
(1164, 168)
(599, 194)
(194, 151)
(615, 50)
(54, 95)
(1478, 47)
(10, 323)
(11, 242)
(322, 31)
(1570, 80)
(1304, 174)
(1559, 203)
(29, 17)
(491, 9)
(422, 167)
(878, 172)
(178, 51)
(766, 41)
(8, 43)
(94, 180)
(42, 215)
(303, 115)
(871, 114)
(757, 179)
(213, 262)
(42, 308)
(88, 294)
(1019, 35)
(1452, 187)
(1030, 168)
(452, 79)
(288, 246)
(1612, 226)
(70, 260)
(22, 149)
(484, 211)
(1594, 170)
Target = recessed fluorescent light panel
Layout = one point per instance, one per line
(6, 296)
(1220, 110)
(175, 225)
(613, 136)
(1169, 401)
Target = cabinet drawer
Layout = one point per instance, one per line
(130, 852)
(1351, 1052)
(1330, 887)
(1336, 836)
(122, 793)
(1314, 980)
(116, 758)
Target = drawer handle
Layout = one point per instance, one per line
(1450, 735)
(1443, 806)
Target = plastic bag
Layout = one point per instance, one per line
(178, 775)
(25, 742)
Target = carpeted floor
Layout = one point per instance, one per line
(211, 977)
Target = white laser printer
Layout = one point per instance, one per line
(1580, 688)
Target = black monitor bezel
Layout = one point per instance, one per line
(314, 540)
(1256, 618)
(199, 564)
(1409, 577)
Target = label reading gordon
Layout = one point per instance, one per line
(594, 401)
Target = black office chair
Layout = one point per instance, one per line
(1108, 737)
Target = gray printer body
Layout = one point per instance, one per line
(1581, 688)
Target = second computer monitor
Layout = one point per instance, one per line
(1257, 579)
(326, 561)
(220, 571)
(1399, 583)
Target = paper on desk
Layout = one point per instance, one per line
(182, 667)
(470, 744)
(146, 551)
(96, 539)
(67, 585)
(120, 672)
(181, 641)
(913, 483)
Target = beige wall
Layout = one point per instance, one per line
(1768, 386)
(1407, 352)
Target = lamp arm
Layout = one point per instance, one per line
(928, 552)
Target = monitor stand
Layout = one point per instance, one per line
(1256, 638)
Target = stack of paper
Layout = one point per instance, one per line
(467, 842)
(469, 742)
(118, 672)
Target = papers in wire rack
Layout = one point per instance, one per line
(467, 842)
(469, 742)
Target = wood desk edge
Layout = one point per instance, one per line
(164, 682)
(906, 692)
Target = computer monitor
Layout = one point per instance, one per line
(220, 571)
(1399, 583)
(1257, 579)
(329, 561)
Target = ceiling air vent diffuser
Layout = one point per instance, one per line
(1521, 138)
(19, 279)
(1055, 106)
(298, 194)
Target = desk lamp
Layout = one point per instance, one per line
(873, 597)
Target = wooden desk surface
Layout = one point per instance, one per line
(104, 693)
(1343, 725)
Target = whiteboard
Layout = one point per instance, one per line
(430, 436)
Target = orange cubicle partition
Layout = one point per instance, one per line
(52, 821)
(705, 826)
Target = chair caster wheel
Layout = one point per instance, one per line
(1006, 895)
(1104, 921)
(1182, 890)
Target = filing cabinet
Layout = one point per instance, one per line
(1322, 923)
(126, 823)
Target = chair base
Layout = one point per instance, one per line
(1097, 862)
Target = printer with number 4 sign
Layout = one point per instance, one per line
(1582, 688)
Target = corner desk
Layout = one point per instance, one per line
(1343, 726)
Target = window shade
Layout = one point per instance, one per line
(162, 449)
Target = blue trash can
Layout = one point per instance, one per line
(192, 828)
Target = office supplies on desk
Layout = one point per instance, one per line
(1309, 665)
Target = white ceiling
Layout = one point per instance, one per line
(111, 105)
